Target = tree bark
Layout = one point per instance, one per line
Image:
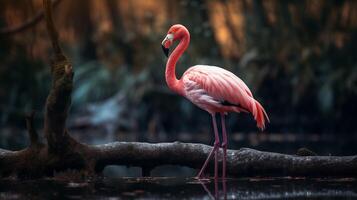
(243, 162)
(62, 152)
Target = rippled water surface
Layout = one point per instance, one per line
(183, 188)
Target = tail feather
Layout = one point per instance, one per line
(259, 115)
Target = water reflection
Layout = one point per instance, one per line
(174, 188)
(217, 194)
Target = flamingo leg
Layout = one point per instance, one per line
(216, 188)
(224, 183)
(214, 150)
(224, 146)
(206, 189)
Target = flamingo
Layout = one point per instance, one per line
(212, 89)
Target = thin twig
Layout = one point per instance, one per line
(27, 24)
(31, 129)
(47, 6)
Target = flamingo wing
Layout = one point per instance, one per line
(218, 90)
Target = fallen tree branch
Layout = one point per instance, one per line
(27, 24)
(243, 162)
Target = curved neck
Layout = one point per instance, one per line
(170, 74)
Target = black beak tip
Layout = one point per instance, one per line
(166, 50)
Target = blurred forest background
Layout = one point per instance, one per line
(299, 58)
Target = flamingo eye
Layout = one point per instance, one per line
(170, 36)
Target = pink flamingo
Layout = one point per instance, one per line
(211, 88)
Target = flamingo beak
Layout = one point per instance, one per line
(166, 43)
(166, 50)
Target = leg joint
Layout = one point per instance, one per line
(224, 145)
(216, 143)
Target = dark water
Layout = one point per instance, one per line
(180, 188)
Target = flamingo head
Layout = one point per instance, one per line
(175, 32)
